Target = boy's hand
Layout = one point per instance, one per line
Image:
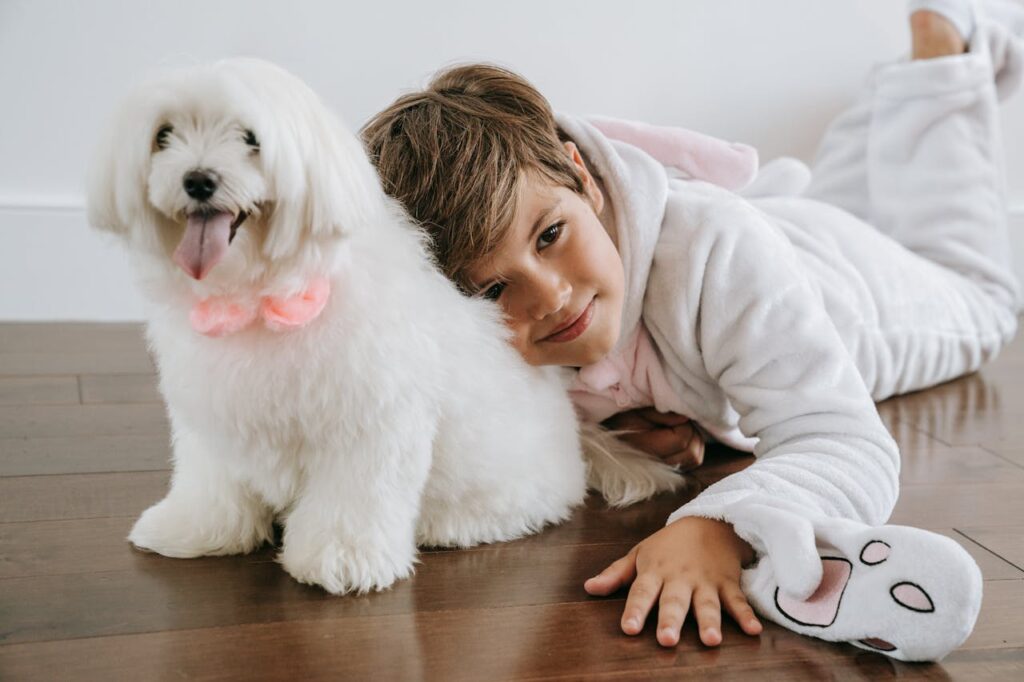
(668, 436)
(691, 562)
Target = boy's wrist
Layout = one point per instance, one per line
(723, 531)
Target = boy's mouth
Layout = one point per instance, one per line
(576, 327)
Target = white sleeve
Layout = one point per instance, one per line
(762, 333)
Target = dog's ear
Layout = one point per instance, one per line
(323, 183)
(101, 184)
(116, 182)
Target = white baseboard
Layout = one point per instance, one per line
(53, 267)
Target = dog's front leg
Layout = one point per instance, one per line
(353, 527)
(207, 511)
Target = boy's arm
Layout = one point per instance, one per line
(764, 337)
(730, 307)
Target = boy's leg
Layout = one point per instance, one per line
(841, 164)
(840, 175)
(935, 170)
(919, 157)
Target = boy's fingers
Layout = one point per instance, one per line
(617, 574)
(657, 442)
(627, 421)
(708, 611)
(661, 441)
(737, 606)
(663, 418)
(642, 596)
(691, 455)
(672, 609)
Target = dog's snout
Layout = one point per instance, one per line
(199, 185)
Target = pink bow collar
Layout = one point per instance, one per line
(223, 315)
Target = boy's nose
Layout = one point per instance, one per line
(549, 296)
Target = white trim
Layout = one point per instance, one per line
(42, 204)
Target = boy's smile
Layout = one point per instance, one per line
(580, 323)
(557, 274)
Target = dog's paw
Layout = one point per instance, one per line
(341, 568)
(184, 531)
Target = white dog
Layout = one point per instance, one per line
(317, 368)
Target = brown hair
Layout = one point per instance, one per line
(455, 154)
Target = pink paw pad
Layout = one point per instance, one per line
(875, 552)
(912, 597)
(822, 607)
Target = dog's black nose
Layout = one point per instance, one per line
(199, 185)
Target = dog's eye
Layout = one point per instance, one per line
(161, 136)
(250, 139)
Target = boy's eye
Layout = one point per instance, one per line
(493, 292)
(550, 235)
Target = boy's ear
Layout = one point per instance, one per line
(590, 188)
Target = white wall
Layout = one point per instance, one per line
(767, 73)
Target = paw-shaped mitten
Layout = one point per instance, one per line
(908, 593)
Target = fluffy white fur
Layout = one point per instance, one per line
(400, 416)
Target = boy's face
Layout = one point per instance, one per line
(557, 274)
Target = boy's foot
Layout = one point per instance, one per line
(934, 35)
(944, 28)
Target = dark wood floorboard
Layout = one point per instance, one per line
(39, 390)
(119, 388)
(84, 449)
(78, 455)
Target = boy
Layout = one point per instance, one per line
(773, 322)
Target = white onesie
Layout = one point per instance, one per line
(775, 322)
(778, 321)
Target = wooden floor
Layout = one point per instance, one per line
(83, 450)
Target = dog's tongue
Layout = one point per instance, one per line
(205, 241)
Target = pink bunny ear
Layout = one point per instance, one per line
(701, 157)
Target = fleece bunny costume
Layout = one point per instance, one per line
(776, 321)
